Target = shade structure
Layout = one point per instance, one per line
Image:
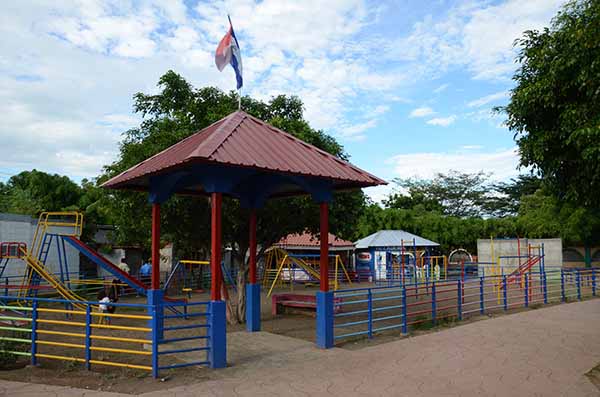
(248, 159)
(252, 160)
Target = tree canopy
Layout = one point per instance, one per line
(554, 110)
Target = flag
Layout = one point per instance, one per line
(228, 52)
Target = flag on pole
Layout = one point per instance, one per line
(228, 52)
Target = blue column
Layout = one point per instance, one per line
(578, 281)
(481, 296)
(325, 319)
(34, 316)
(545, 289)
(370, 312)
(217, 335)
(433, 304)
(562, 286)
(252, 307)
(460, 298)
(593, 282)
(155, 299)
(404, 319)
(505, 287)
(526, 290)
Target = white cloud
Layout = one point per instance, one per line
(488, 99)
(422, 112)
(503, 164)
(472, 147)
(356, 131)
(442, 121)
(477, 36)
(441, 88)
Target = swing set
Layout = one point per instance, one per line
(282, 267)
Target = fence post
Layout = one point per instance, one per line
(325, 336)
(6, 287)
(370, 308)
(526, 291)
(34, 316)
(404, 319)
(593, 282)
(578, 280)
(460, 299)
(545, 289)
(481, 296)
(88, 336)
(155, 339)
(505, 292)
(562, 286)
(433, 299)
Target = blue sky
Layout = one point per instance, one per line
(406, 86)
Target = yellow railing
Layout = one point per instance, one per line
(87, 336)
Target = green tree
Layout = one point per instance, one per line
(506, 197)
(31, 192)
(454, 193)
(554, 110)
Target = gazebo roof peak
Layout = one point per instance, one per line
(240, 140)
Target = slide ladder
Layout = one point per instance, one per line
(39, 268)
(522, 269)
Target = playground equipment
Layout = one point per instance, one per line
(59, 229)
(281, 267)
(191, 276)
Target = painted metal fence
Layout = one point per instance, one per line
(132, 338)
(367, 311)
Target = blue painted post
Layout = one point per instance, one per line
(6, 287)
(578, 280)
(370, 312)
(34, 316)
(253, 307)
(562, 286)
(325, 319)
(88, 336)
(505, 292)
(217, 335)
(404, 319)
(433, 306)
(155, 339)
(481, 296)
(526, 291)
(593, 282)
(545, 289)
(155, 300)
(459, 302)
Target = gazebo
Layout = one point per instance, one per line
(245, 158)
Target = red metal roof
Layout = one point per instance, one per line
(310, 240)
(242, 140)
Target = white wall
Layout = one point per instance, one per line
(20, 228)
(510, 247)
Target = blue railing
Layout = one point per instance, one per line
(367, 311)
(84, 331)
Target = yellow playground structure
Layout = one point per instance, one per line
(282, 267)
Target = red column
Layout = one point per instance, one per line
(215, 246)
(155, 246)
(252, 244)
(324, 260)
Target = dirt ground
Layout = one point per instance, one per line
(302, 326)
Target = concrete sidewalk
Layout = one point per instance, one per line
(542, 352)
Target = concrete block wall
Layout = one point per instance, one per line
(21, 228)
(510, 247)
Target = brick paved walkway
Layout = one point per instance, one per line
(544, 352)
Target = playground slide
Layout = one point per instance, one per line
(106, 264)
(307, 268)
(525, 267)
(63, 290)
